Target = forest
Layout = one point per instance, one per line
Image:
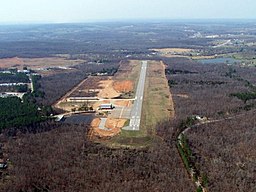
(13, 78)
(71, 162)
(15, 113)
(220, 148)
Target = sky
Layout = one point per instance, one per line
(65, 11)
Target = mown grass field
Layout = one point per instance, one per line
(157, 105)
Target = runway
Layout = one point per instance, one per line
(135, 116)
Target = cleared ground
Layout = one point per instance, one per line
(123, 86)
(107, 90)
(125, 81)
(174, 52)
(112, 127)
(182, 52)
(39, 63)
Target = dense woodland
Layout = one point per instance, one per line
(223, 151)
(208, 89)
(17, 88)
(13, 78)
(72, 163)
(120, 39)
(15, 113)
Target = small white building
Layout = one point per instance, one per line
(11, 94)
(107, 106)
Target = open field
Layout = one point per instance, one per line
(128, 71)
(39, 63)
(93, 86)
(174, 52)
(107, 90)
(123, 86)
(204, 57)
(89, 87)
(158, 105)
(96, 86)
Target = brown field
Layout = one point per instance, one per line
(173, 50)
(107, 90)
(90, 87)
(109, 87)
(38, 63)
(123, 86)
(128, 71)
(203, 57)
(180, 52)
(124, 71)
(115, 123)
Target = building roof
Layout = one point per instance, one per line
(106, 106)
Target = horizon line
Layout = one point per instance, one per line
(147, 20)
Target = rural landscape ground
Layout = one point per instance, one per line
(157, 106)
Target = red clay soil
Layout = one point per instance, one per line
(114, 126)
(123, 86)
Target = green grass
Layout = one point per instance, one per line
(127, 123)
(156, 105)
(131, 139)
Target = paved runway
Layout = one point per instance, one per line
(103, 123)
(136, 111)
(120, 113)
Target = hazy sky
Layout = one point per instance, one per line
(90, 10)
